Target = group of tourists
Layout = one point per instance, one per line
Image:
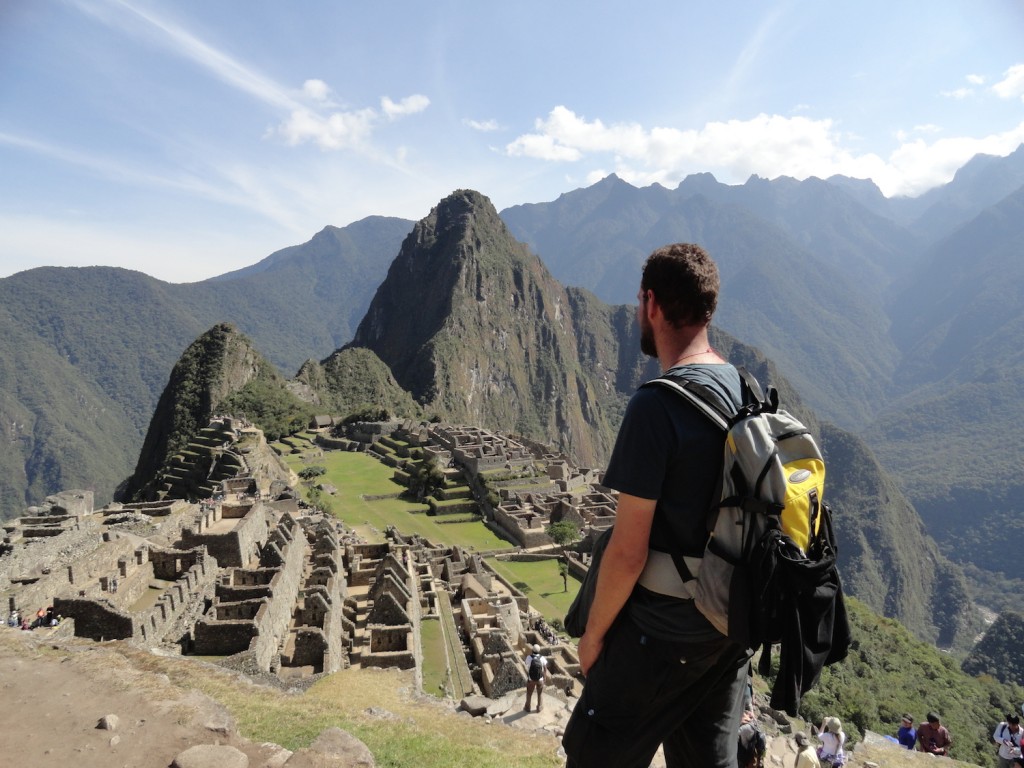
(545, 631)
(45, 617)
(931, 736)
(830, 753)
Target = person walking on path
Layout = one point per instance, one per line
(657, 671)
(536, 674)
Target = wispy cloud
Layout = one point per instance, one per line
(957, 93)
(1012, 84)
(219, 185)
(311, 116)
(484, 126)
(141, 22)
(766, 145)
(410, 105)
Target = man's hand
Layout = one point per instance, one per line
(589, 649)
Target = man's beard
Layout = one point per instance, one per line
(647, 345)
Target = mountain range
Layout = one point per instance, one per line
(896, 333)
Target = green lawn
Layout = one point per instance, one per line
(541, 584)
(435, 665)
(356, 475)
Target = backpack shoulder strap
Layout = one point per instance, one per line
(711, 404)
(670, 573)
(697, 395)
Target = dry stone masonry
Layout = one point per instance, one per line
(253, 575)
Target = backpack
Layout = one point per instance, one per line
(751, 746)
(536, 667)
(768, 573)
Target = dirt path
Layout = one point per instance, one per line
(52, 703)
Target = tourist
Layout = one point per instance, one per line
(648, 655)
(536, 674)
(805, 755)
(832, 740)
(907, 734)
(1008, 735)
(932, 736)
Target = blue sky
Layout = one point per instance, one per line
(189, 138)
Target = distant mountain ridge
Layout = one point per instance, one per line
(829, 279)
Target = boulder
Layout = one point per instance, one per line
(334, 748)
(475, 705)
(211, 756)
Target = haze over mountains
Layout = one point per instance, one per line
(892, 327)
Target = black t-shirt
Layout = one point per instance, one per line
(667, 450)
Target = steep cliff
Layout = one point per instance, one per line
(477, 329)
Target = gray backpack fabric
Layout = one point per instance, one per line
(768, 574)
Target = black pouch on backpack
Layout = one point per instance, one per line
(579, 611)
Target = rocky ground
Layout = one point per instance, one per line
(75, 708)
(68, 703)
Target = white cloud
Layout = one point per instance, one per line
(351, 129)
(957, 93)
(481, 125)
(976, 79)
(410, 105)
(766, 145)
(339, 130)
(317, 90)
(1012, 84)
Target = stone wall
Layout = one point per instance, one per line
(238, 547)
(266, 619)
(97, 619)
(170, 617)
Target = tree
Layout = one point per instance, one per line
(563, 571)
(308, 473)
(563, 533)
(426, 478)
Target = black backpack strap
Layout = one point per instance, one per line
(708, 403)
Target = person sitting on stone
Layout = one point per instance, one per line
(932, 736)
(805, 754)
(907, 734)
(832, 741)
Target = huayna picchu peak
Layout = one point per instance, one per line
(474, 326)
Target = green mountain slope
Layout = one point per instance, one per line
(789, 291)
(1000, 653)
(889, 672)
(109, 337)
(949, 437)
(219, 372)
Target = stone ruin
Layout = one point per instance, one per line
(285, 590)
